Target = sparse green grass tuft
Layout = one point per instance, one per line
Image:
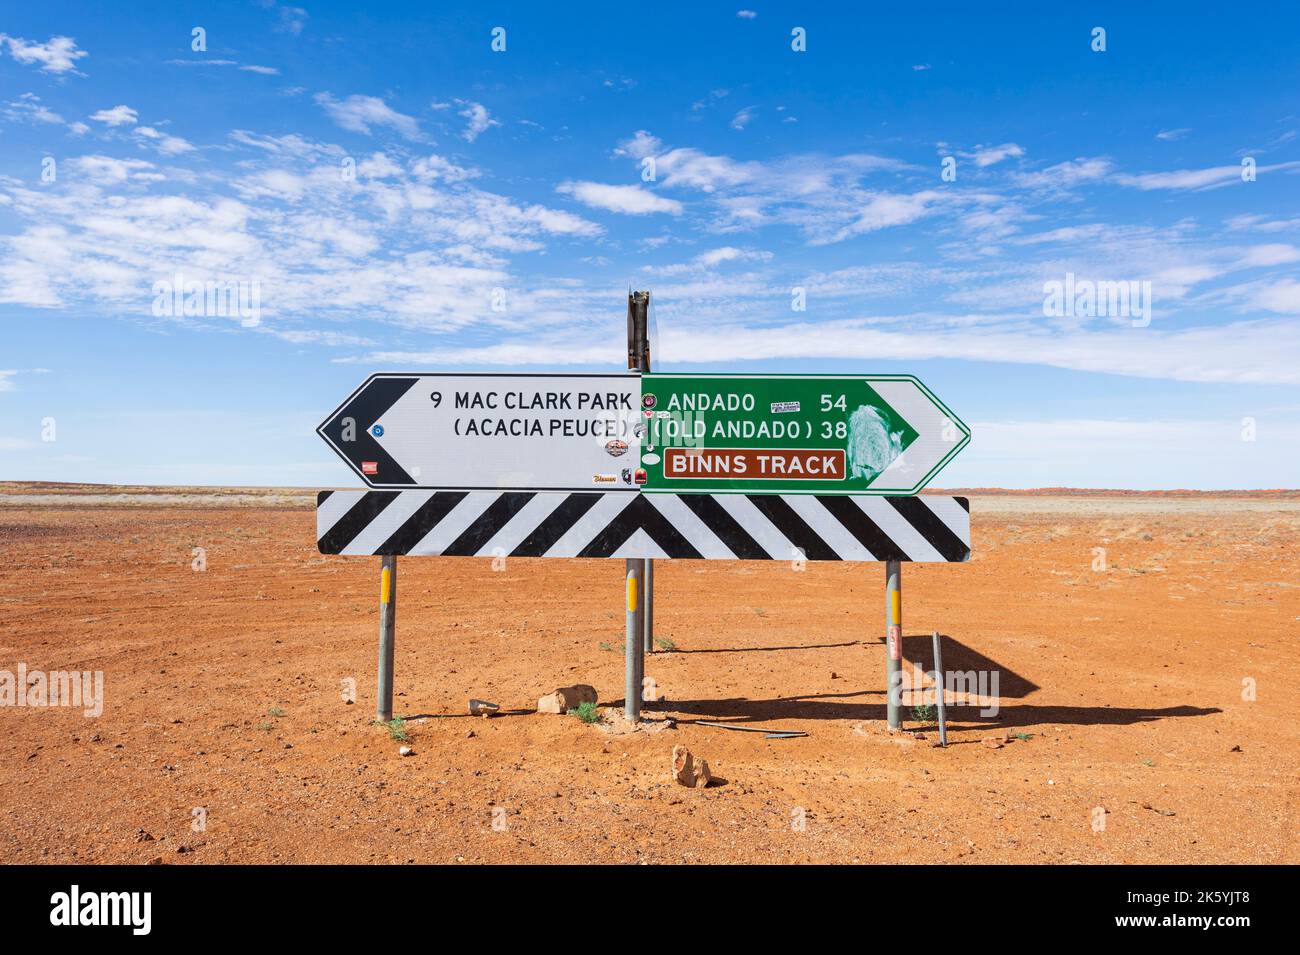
(264, 727)
(586, 712)
(1024, 737)
(606, 646)
(1148, 762)
(924, 713)
(275, 711)
(666, 643)
(396, 729)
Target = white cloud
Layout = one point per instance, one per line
(117, 116)
(359, 113)
(1270, 254)
(203, 61)
(218, 61)
(7, 376)
(630, 200)
(165, 143)
(433, 167)
(746, 14)
(1197, 178)
(1281, 297)
(108, 169)
(820, 195)
(1169, 135)
(291, 19)
(882, 210)
(317, 337)
(1066, 175)
(921, 67)
(710, 260)
(1262, 223)
(690, 168)
(409, 242)
(991, 155)
(290, 144)
(728, 254)
(28, 108)
(479, 120)
(57, 55)
(1241, 352)
(742, 118)
(641, 144)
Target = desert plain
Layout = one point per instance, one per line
(1146, 648)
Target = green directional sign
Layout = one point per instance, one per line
(754, 434)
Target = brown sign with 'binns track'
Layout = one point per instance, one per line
(824, 464)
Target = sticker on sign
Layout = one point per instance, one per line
(781, 434)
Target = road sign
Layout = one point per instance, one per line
(782, 434)
(930, 528)
(525, 431)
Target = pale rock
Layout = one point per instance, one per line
(689, 771)
(566, 698)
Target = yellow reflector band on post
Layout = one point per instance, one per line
(896, 607)
(385, 586)
(631, 594)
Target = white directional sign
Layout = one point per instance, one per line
(491, 432)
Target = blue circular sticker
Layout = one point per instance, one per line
(377, 431)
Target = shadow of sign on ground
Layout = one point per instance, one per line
(857, 705)
(918, 648)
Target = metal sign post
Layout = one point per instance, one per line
(894, 641)
(633, 658)
(638, 359)
(387, 635)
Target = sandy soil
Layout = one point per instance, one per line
(223, 693)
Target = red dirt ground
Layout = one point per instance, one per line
(1127, 683)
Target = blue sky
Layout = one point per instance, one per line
(386, 178)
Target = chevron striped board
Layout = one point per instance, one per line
(929, 528)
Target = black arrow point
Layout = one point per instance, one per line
(366, 406)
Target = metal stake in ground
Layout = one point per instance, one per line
(939, 684)
(649, 615)
(894, 641)
(633, 655)
(387, 631)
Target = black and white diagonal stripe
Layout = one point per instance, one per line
(618, 524)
